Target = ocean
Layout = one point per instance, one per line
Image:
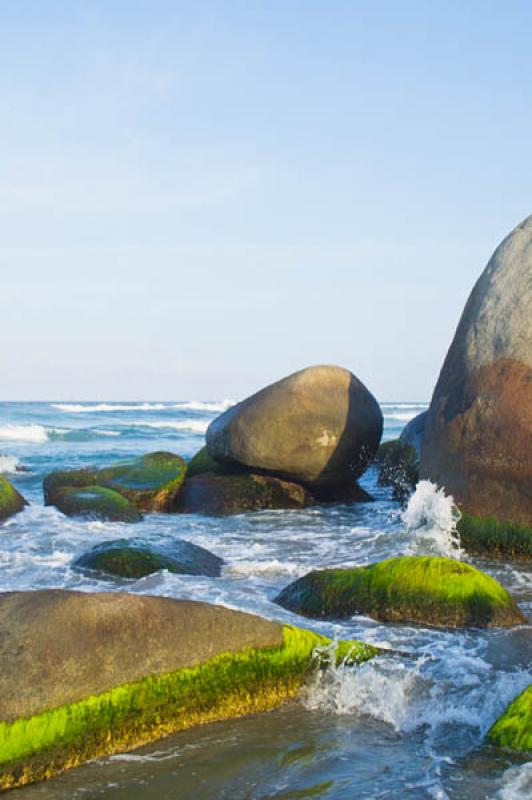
(408, 726)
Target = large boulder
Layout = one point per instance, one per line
(478, 434)
(513, 730)
(150, 482)
(421, 589)
(91, 674)
(11, 501)
(320, 427)
(132, 558)
(212, 494)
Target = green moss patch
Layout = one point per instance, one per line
(488, 536)
(423, 589)
(514, 729)
(228, 685)
(202, 463)
(11, 501)
(95, 502)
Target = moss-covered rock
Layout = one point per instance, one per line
(135, 559)
(11, 501)
(422, 589)
(514, 728)
(95, 502)
(133, 669)
(398, 467)
(151, 482)
(488, 536)
(202, 462)
(233, 494)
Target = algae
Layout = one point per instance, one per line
(486, 535)
(11, 501)
(514, 728)
(96, 502)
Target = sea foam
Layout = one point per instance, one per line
(432, 516)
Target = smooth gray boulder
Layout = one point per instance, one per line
(319, 427)
(478, 433)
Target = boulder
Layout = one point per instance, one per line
(202, 462)
(513, 730)
(478, 434)
(319, 427)
(412, 433)
(151, 482)
(233, 494)
(398, 467)
(11, 501)
(132, 558)
(427, 590)
(95, 502)
(85, 675)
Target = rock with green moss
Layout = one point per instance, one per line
(202, 462)
(11, 501)
(233, 494)
(513, 730)
(132, 669)
(133, 558)
(428, 590)
(488, 536)
(95, 502)
(151, 482)
(398, 467)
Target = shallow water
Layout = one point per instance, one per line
(408, 726)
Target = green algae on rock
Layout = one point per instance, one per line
(513, 729)
(202, 462)
(151, 482)
(95, 502)
(421, 589)
(131, 558)
(489, 536)
(11, 501)
(233, 494)
(193, 663)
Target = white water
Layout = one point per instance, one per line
(431, 518)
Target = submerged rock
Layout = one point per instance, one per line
(11, 501)
(102, 673)
(513, 729)
(130, 558)
(422, 589)
(151, 482)
(95, 502)
(233, 494)
(398, 467)
(318, 427)
(478, 435)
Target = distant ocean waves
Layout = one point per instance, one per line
(39, 434)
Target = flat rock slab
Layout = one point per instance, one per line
(58, 646)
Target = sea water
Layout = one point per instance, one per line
(407, 726)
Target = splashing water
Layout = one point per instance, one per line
(517, 783)
(432, 517)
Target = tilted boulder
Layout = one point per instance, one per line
(319, 427)
(477, 441)
(428, 590)
(91, 674)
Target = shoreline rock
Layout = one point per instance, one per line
(133, 668)
(11, 501)
(426, 590)
(513, 729)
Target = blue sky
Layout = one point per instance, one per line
(197, 198)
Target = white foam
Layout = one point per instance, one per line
(9, 464)
(195, 425)
(24, 433)
(86, 408)
(199, 405)
(401, 416)
(432, 516)
(517, 783)
(272, 568)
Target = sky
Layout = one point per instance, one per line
(198, 198)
